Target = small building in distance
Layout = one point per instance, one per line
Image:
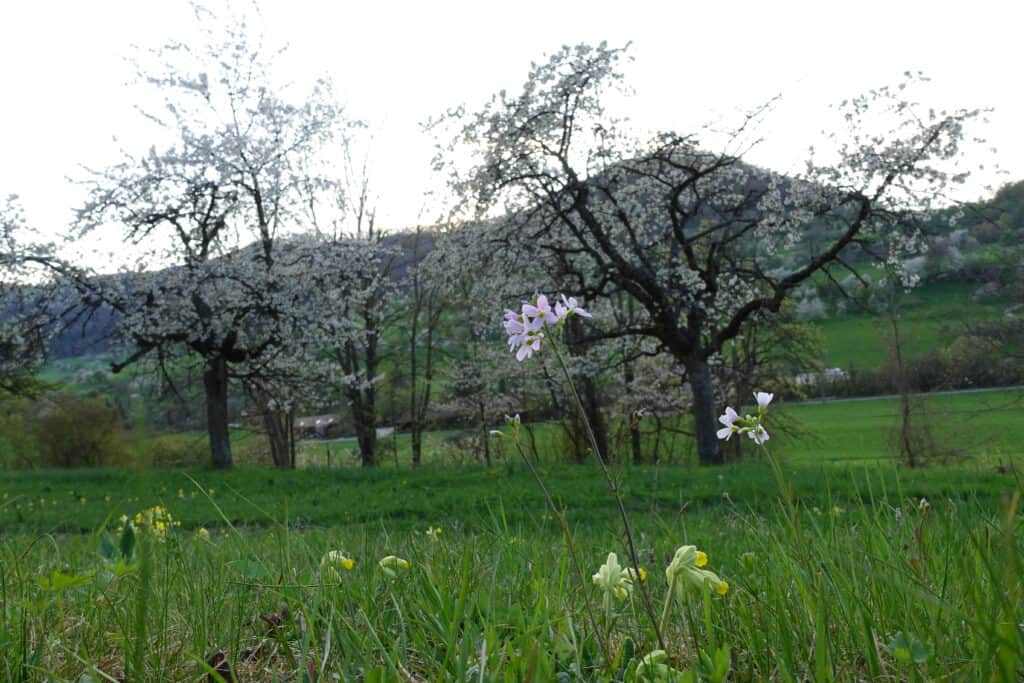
(826, 376)
(318, 427)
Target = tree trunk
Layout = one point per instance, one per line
(215, 381)
(634, 440)
(414, 418)
(592, 409)
(709, 449)
(290, 422)
(362, 395)
(366, 431)
(634, 422)
(419, 404)
(484, 434)
(589, 395)
(279, 437)
(907, 448)
(416, 442)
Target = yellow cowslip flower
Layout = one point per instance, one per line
(434, 532)
(332, 564)
(154, 521)
(686, 577)
(390, 565)
(702, 558)
(612, 579)
(202, 534)
(631, 574)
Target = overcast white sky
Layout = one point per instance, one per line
(62, 74)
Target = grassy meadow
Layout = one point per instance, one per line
(927, 314)
(860, 580)
(849, 568)
(972, 429)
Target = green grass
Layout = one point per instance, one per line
(863, 583)
(59, 501)
(493, 596)
(983, 428)
(927, 315)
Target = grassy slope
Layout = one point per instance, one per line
(859, 341)
(983, 428)
(985, 425)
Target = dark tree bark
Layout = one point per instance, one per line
(215, 382)
(589, 393)
(628, 375)
(279, 435)
(366, 437)
(362, 396)
(482, 417)
(426, 304)
(415, 436)
(709, 448)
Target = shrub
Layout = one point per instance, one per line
(174, 450)
(17, 443)
(811, 308)
(79, 432)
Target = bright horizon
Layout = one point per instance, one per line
(394, 65)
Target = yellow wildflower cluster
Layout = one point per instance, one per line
(155, 521)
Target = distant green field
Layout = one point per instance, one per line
(985, 427)
(982, 429)
(927, 314)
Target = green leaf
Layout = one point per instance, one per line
(122, 567)
(625, 655)
(907, 648)
(919, 651)
(127, 542)
(722, 664)
(59, 581)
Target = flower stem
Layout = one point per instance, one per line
(668, 602)
(613, 487)
(570, 546)
(785, 489)
(139, 643)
